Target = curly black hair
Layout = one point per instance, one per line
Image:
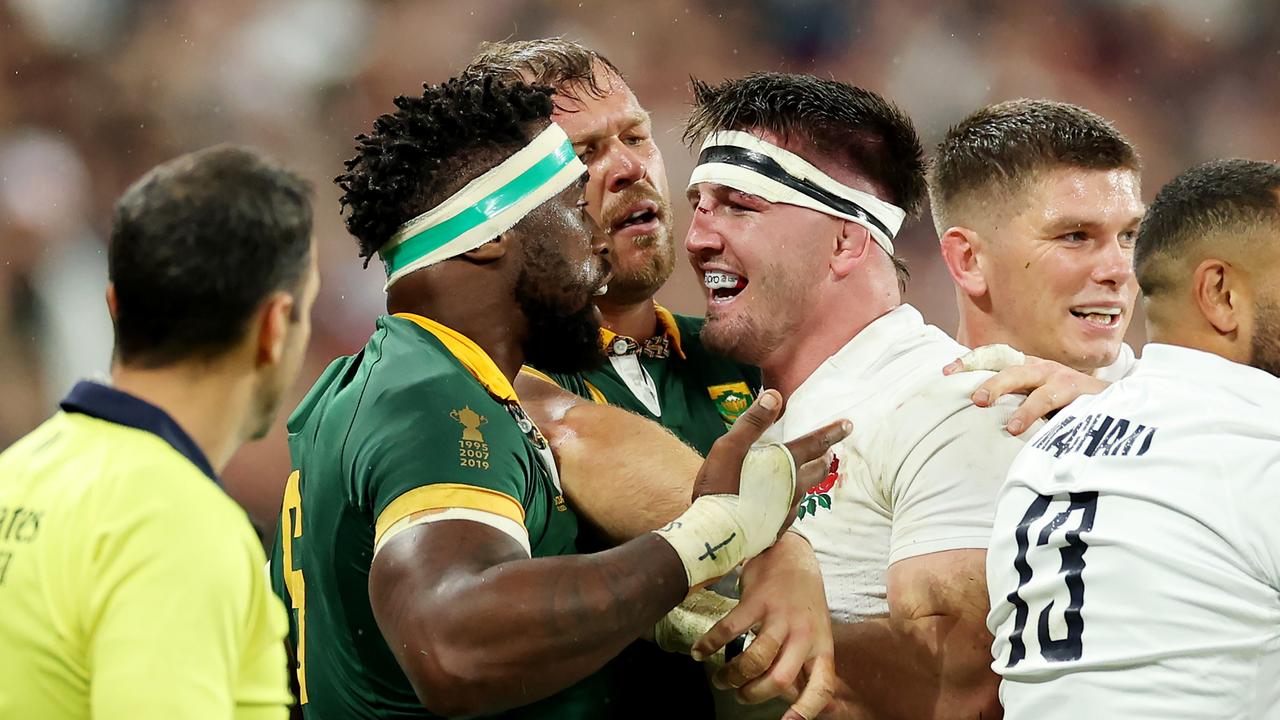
(432, 146)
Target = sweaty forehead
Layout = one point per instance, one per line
(1082, 196)
(587, 115)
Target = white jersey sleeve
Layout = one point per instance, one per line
(943, 494)
(1257, 498)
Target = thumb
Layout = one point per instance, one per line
(752, 423)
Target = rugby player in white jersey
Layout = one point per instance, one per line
(1036, 204)
(800, 187)
(1135, 563)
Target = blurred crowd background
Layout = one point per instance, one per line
(94, 92)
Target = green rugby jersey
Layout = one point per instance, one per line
(698, 393)
(420, 420)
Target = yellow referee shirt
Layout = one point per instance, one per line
(131, 585)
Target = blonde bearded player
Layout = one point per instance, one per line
(1134, 568)
(801, 185)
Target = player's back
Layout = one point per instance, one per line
(130, 583)
(1134, 568)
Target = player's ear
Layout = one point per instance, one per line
(495, 249)
(273, 328)
(959, 247)
(111, 302)
(852, 242)
(1219, 295)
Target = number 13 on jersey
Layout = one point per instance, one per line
(291, 528)
(1050, 563)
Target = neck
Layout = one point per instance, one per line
(788, 367)
(635, 320)
(487, 319)
(977, 328)
(208, 403)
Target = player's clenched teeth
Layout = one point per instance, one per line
(723, 285)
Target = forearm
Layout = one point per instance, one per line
(930, 668)
(623, 474)
(525, 629)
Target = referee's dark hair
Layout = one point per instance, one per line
(196, 245)
(1220, 202)
(430, 147)
(854, 127)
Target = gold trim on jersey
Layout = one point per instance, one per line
(443, 496)
(471, 355)
(597, 397)
(666, 325)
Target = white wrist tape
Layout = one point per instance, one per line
(719, 531)
(679, 629)
(992, 357)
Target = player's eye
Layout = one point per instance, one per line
(1078, 236)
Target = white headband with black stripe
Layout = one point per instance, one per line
(744, 162)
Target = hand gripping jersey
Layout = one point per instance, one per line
(670, 379)
(420, 424)
(131, 585)
(1134, 567)
(918, 474)
(675, 381)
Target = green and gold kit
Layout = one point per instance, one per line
(419, 423)
(670, 379)
(673, 380)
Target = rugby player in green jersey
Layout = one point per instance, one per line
(656, 365)
(426, 549)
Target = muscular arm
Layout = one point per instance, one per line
(626, 475)
(930, 659)
(467, 612)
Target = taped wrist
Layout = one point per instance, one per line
(679, 629)
(719, 531)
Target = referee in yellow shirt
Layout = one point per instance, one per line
(131, 585)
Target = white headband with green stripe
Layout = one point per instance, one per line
(486, 207)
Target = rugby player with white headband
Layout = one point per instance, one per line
(426, 551)
(801, 185)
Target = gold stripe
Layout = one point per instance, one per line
(471, 355)
(668, 322)
(596, 396)
(534, 372)
(447, 495)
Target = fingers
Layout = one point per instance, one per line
(752, 663)
(810, 474)
(1017, 379)
(738, 621)
(814, 445)
(987, 357)
(818, 691)
(782, 672)
(752, 423)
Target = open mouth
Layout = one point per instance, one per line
(1102, 317)
(724, 286)
(643, 216)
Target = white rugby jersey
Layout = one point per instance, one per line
(918, 474)
(1124, 364)
(1134, 567)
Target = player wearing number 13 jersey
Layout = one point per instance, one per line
(1134, 569)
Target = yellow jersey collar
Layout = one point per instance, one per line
(472, 357)
(666, 326)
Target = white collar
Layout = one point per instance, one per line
(1205, 368)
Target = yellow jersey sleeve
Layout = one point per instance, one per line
(183, 623)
